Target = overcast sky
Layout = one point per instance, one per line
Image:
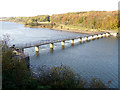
(10, 8)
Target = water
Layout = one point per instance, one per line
(94, 59)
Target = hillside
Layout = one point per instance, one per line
(92, 19)
(97, 20)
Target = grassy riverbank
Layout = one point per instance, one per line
(79, 29)
(71, 28)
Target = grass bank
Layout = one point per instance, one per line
(70, 28)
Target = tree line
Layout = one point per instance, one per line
(29, 20)
(90, 19)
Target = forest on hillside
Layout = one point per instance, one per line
(91, 19)
(27, 20)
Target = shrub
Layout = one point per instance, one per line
(56, 77)
(15, 74)
(63, 77)
(94, 83)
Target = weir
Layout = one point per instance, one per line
(62, 44)
(72, 42)
(92, 37)
(51, 45)
(80, 39)
(88, 37)
(37, 48)
(99, 35)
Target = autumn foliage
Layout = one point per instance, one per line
(91, 19)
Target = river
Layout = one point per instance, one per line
(94, 59)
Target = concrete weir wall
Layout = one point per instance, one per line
(80, 40)
(19, 52)
(37, 48)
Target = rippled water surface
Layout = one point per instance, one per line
(97, 58)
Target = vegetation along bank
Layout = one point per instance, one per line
(89, 22)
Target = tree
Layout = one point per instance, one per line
(15, 74)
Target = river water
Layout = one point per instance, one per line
(94, 59)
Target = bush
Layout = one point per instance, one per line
(94, 83)
(63, 77)
(15, 74)
(60, 76)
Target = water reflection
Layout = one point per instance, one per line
(62, 46)
(37, 53)
(51, 50)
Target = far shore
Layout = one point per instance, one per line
(77, 31)
(95, 31)
(70, 30)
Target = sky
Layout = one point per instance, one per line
(15, 8)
